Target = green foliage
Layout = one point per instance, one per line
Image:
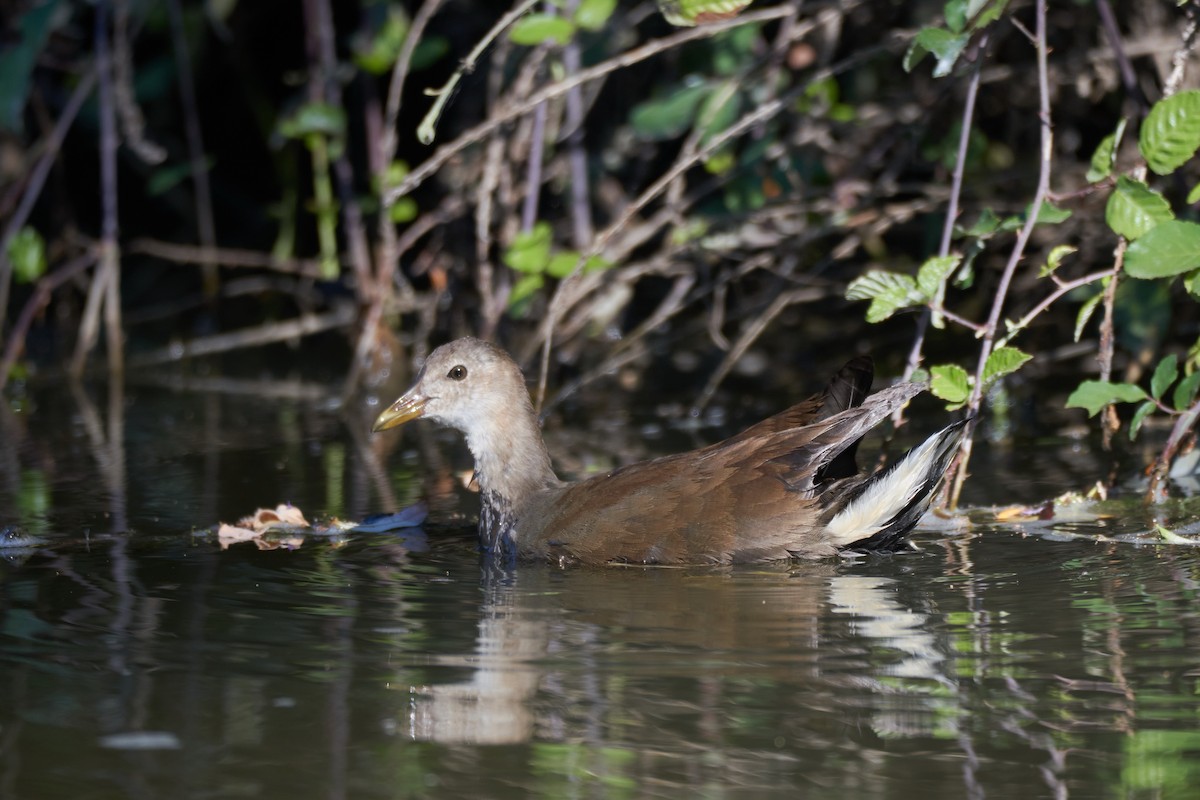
(1104, 159)
(532, 254)
(535, 29)
(671, 115)
(1054, 260)
(1134, 208)
(376, 51)
(27, 254)
(1095, 395)
(592, 15)
(944, 45)
(1168, 249)
(890, 292)
(1003, 361)
(951, 383)
(687, 13)
(1170, 135)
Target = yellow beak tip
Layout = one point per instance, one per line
(403, 410)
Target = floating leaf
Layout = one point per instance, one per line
(1095, 395)
(535, 29)
(1134, 208)
(593, 14)
(950, 382)
(1003, 361)
(1139, 417)
(1106, 154)
(1164, 375)
(888, 292)
(1169, 248)
(1171, 133)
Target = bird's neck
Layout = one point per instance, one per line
(512, 466)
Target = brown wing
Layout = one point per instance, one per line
(749, 498)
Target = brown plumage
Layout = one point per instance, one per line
(785, 487)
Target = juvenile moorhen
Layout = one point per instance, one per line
(786, 487)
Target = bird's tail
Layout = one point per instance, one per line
(887, 505)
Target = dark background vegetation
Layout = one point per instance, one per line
(736, 271)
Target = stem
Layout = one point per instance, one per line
(205, 226)
(37, 179)
(1043, 185)
(650, 49)
(1062, 289)
(427, 130)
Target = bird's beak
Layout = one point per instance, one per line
(409, 407)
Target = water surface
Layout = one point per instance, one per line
(139, 659)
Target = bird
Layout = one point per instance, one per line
(784, 488)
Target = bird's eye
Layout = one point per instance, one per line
(457, 373)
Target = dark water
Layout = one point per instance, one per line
(140, 660)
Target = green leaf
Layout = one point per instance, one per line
(888, 292)
(1054, 260)
(1139, 417)
(563, 264)
(1134, 208)
(1185, 392)
(950, 382)
(955, 14)
(376, 50)
(27, 254)
(1169, 536)
(670, 116)
(593, 14)
(1095, 395)
(523, 289)
(1169, 248)
(1164, 375)
(1194, 195)
(1085, 313)
(686, 13)
(530, 250)
(987, 224)
(1106, 154)
(719, 110)
(404, 210)
(934, 272)
(945, 46)
(534, 29)
(310, 118)
(1003, 361)
(1171, 133)
(1051, 214)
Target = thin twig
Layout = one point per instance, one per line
(41, 295)
(626, 59)
(960, 162)
(205, 226)
(427, 130)
(1018, 251)
(37, 179)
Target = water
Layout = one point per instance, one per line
(140, 660)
